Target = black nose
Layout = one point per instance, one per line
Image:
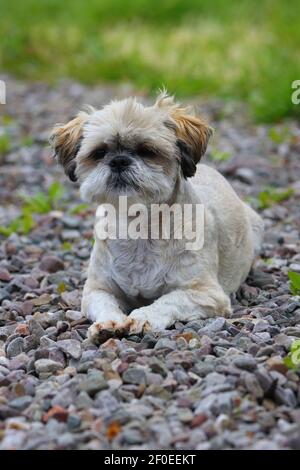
(120, 163)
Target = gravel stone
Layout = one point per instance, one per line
(93, 383)
(245, 363)
(51, 264)
(47, 366)
(72, 347)
(134, 375)
(15, 347)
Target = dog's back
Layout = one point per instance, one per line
(239, 228)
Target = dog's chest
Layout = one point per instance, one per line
(142, 267)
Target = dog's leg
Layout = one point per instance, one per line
(103, 308)
(181, 305)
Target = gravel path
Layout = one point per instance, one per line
(209, 384)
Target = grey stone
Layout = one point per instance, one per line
(158, 366)
(216, 325)
(73, 315)
(70, 235)
(132, 436)
(15, 347)
(93, 383)
(51, 264)
(72, 347)
(21, 403)
(253, 386)
(245, 362)
(36, 329)
(285, 396)
(4, 294)
(265, 380)
(246, 175)
(203, 368)
(63, 398)
(83, 401)
(134, 375)
(73, 422)
(47, 366)
(71, 222)
(165, 343)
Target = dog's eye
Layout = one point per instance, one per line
(99, 153)
(144, 151)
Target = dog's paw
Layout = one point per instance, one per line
(99, 332)
(139, 326)
(226, 312)
(145, 319)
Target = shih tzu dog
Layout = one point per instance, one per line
(150, 154)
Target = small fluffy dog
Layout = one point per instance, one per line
(150, 154)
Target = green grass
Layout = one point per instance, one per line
(5, 144)
(292, 360)
(270, 196)
(294, 282)
(239, 49)
(40, 203)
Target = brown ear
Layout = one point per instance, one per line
(65, 140)
(193, 136)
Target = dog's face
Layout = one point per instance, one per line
(130, 149)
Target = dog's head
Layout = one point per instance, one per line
(127, 148)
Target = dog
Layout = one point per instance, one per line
(151, 154)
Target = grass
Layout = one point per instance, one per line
(292, 360)
(40, 203)
(5, 144)
(227, 48)
(294, 282)
(270, 196)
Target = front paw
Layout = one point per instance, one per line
(145, 319)
(99, 332)
(139, 326)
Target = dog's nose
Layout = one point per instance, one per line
(119, 163)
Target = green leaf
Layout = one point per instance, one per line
(295, 282)
(292, 360)
(5, 231)
(219, 156)
(67, 246)
(5, 144)
(289, 362)
(61, 287)
(27, 221)
(22, 224)
(279, 135)
(271, 196)
(27, 141)
(295, 345)
(39, 203)
(55, 192)
(7, 120)
(296, 357)
(79, 208)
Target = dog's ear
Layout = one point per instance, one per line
(65, 141)
(193, 136)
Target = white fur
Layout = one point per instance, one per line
(135, 285)
(162, 271)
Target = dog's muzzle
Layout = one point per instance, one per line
(120, 163)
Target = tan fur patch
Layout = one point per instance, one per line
(65, 139)
(192, 130)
